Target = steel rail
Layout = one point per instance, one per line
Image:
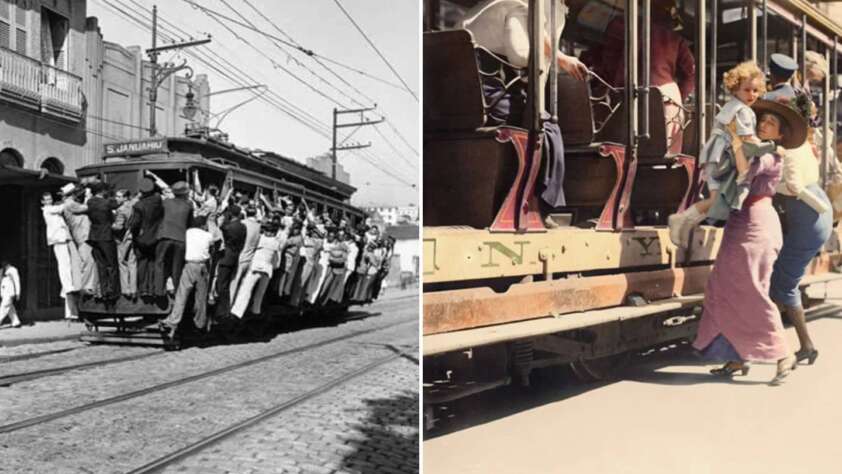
(11, 427)
(35, 355)
(6, 380)
(214, 438)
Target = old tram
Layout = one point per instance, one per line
(217, 162)
(503, 292)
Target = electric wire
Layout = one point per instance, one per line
(371, 43)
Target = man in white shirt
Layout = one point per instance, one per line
(59, 238)
(195, 273)
(9, 293)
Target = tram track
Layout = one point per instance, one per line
(7, 380)
(37, 420)
(235, 428)
(11, 379)
(36, 355)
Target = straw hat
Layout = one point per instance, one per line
(796, 124)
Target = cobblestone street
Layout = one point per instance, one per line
(367, 423)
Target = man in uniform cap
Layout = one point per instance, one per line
(781, 69)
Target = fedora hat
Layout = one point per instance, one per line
(795, 123)
(180, 188)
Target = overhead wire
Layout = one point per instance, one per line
(317, 126)
(376, 50)
(314, 58)
(290, 38)
(217, 65)
(301, 49)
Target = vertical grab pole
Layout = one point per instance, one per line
(764, 37)
(752, 29)
(554, 61)
(631, 77)
(834, 74)
(825, 122)
(803, 52)
(644, 87)
(714, 33)
(536, 53)
(701, 93)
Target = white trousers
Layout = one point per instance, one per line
(7, 303)
(65, 267)
(252, 288)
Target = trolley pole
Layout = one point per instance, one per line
(159, 74)
(363, 121)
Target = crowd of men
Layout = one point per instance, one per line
(226, 251)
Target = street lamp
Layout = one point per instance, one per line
(190, 107)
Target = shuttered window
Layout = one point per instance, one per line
(20, 13)
(4, 9)
(4, 35)
(20, 41)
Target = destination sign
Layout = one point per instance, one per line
(140, 147)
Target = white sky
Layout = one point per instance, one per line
(318, 25)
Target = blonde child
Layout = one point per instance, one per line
(746, 84)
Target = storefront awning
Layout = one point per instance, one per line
(13, 175)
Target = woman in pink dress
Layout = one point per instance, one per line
(740, 322)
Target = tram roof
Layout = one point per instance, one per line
(209, 147)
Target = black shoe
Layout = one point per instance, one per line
(810, 356)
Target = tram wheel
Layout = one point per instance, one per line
(601, 368)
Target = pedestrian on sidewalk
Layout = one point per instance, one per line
(9, 293)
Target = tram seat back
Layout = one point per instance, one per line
(452, 88)
(575, 113)
(653, 149)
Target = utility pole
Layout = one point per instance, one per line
(159, 75)
(336, 125)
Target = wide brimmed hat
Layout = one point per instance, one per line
(180, 188)
(796, 124)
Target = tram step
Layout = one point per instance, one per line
(145, 339)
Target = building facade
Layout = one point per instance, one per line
(394, 215)
(324, 163)
(64, 92)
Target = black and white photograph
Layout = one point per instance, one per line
(209, 236)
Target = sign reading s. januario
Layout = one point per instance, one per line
(139, 147)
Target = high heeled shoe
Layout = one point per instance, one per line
(789, 364)
(810, 356)
(730, 368)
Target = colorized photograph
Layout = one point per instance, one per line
(630, 236)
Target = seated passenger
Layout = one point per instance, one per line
(500, 28)
(781, 70)
(672, 65)
(194, 276)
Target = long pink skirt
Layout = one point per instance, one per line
(737, 303)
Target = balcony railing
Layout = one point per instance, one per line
(31, 83)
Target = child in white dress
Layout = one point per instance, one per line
(746, 84)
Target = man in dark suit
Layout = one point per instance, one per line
(169, 252)
(234, 237)
(101, 239)
(146, 217)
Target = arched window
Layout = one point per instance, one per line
(11, 157)
(53, 165)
